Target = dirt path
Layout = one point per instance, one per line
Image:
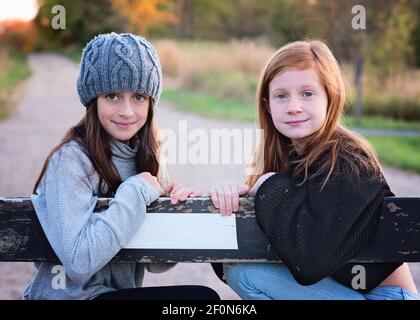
(50, 106)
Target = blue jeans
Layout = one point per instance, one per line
(255, 281)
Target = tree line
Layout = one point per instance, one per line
(392, 27)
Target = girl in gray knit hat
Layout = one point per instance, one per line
(112, 152)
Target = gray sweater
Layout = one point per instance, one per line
(84, 241)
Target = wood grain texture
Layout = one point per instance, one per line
(397, 239)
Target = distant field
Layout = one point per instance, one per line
(401, 152)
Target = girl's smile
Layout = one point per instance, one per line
(296, 123)
(123, 125)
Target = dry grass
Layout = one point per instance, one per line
(5, 65)
(243, 56)
(5, 62)
(405, 84)
(190, 62)
(186, 61)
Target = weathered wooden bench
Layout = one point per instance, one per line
(397, 239)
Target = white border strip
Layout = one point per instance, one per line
(185, 231)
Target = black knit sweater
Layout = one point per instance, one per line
(316, 233)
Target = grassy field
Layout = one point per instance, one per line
(73, 52)
(401, 152)
(13, 70)
(209, 106)
(381, 122)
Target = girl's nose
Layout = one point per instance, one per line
(126, 108)
(294, 106)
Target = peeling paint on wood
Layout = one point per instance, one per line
(392, 207)
(22, 238)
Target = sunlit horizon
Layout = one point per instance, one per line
(18, 9)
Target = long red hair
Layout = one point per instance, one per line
(273, 150)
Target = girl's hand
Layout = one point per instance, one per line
(179, 193)
(259, 182)
(226, 196)
(153, 181)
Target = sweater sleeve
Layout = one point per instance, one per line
(315, 233)
(85, 241)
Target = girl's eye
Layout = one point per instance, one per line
(140, 97)
(282, 96)
(308, 93)
(111, 97)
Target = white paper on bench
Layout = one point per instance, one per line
(185, 231)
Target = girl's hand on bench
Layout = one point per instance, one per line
(179, 193)
(226, 196)
(153, 181)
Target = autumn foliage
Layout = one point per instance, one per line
(20, 34)
(144, 14)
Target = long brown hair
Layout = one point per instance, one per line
(273, 150)
(96, 141)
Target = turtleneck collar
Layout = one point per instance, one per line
(122, 150)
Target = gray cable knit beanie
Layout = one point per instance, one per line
(119, 62)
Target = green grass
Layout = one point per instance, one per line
(401, 152)
(226, 85)
(380, 122)
(17, 70)
(209, 106)
(389, 105)
(73, 52)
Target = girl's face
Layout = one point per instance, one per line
(297, 103)
(123, 114)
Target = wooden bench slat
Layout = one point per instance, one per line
(397, 239)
